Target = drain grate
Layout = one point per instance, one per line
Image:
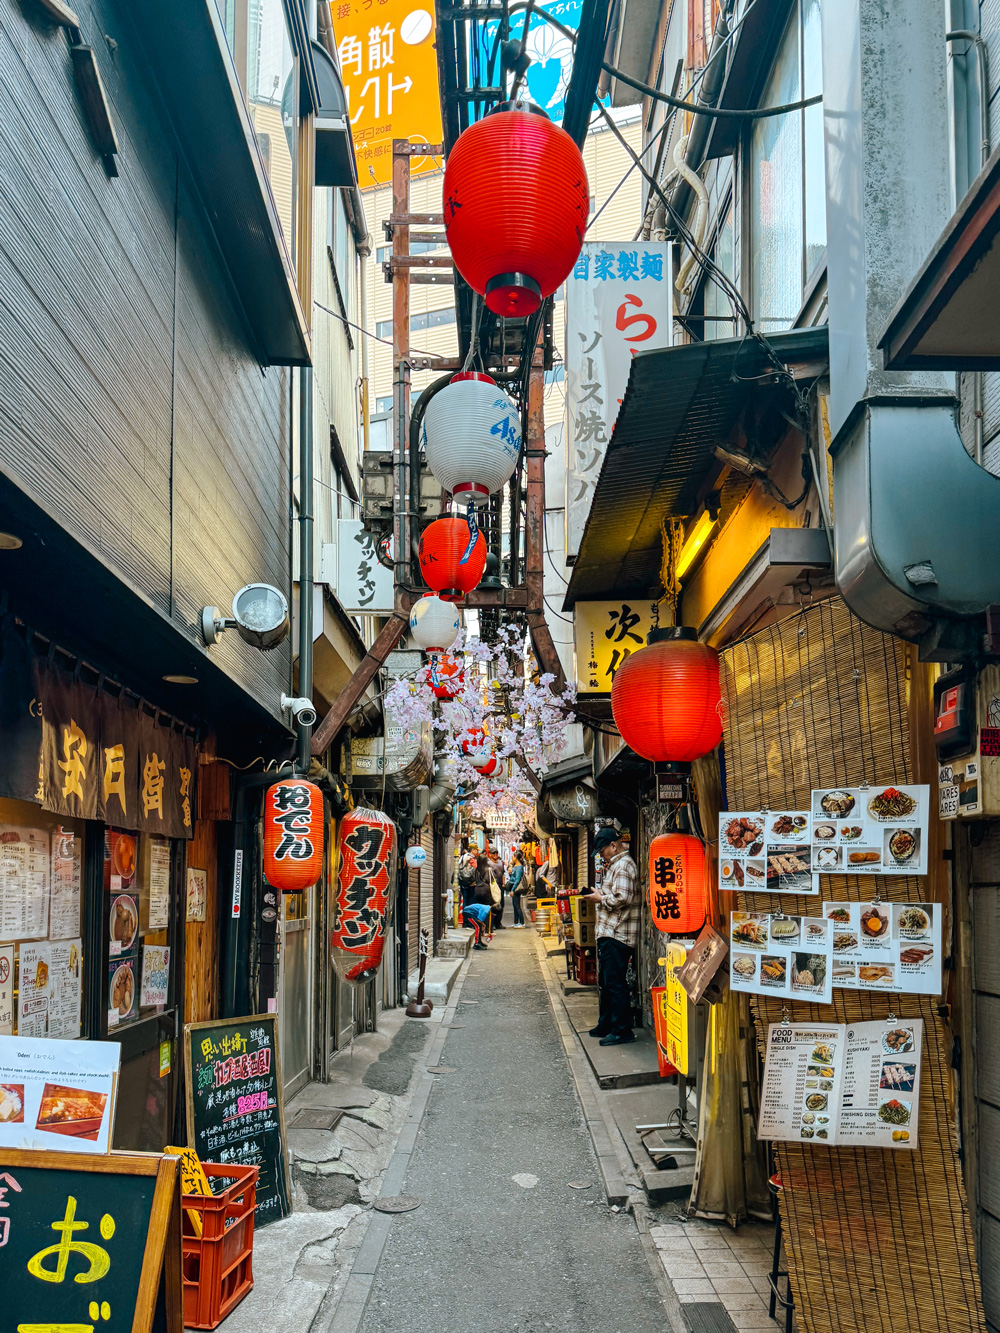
(316, 1117)
(708, 1317)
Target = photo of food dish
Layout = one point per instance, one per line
(891, 804)
(836, 803)
(122, 989)
(744, 834)
(822, 1133)
(864, 856)
(807, 1131)
(816, 932)
(41, 974)
(898, 1042)
(808, 972)
(787, 862)
(900, 1135)
(812, 1082)
(899, 1076)
(824, 832)
(74, 1111)
(123, 856)
(826, 1084)
(894, 1112)
(726, 870)
(816, 1101)
(851, 832)
(822, 1071)
(755, 871)
(876, 972)
(784, 928)
(823, 1053)
(808, 1118)
(844, 941)
(874, 922)
(772, 971)
(841, 915)
(827, 858)
(744, 965)
(124, 921)
(790, 826)
(844, 973)
(916, 955)
(738, 873)
(904, 845)
(913, 922)
(749, 929)
(11, 1103)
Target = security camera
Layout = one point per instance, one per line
(301, 709)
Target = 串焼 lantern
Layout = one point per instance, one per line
(471, 435)
(452, 557)
(666, 698)
(293, 834)
(366, 873)
(678, 883)
(433, 624)
(516, 202)
(444, 674)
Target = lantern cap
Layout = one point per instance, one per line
(514, 295)
(472, 375)
(663, 633)
(530, 108)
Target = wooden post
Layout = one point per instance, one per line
(419, 1007)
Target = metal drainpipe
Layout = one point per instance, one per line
(305, 560)
(364, 254)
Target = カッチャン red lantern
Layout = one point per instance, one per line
(444, 674)
(366, 873)
(452, 557)
(678, 883)
(516, 201)
(666, 698)
(293, 834)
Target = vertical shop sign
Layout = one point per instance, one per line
(68, 770)
(237, 881)
(618, 302)
(605, 635)
(364, 585)
(6, 989)
(118, 761)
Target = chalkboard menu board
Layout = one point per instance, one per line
(83, 1240)
(235, 1111)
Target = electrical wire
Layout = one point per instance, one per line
(386, 342)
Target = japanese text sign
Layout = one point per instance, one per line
(389, 63)
(57, 1094)
(551, 54)
(605, 635)
(364, 584)
(365, 879)
(618, 302)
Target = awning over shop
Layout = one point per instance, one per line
(947, 319)
(680, 403)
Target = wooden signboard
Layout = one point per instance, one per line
(84, 1240)
(235, 1110)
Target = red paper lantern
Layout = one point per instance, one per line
(666, 699)
(451, 560)
(444, 674)
(476, 746)
(516, 201)
(488, 767)
(366, 873)
(293, 834)
(678, 883)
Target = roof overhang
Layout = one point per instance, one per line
(750, 61)
(947, 319)
(680, 404)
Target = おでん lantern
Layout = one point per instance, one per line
(516, 201)
(444, 675)
(293, 834)
(433, 624)
(666, 699)
(415, 856)
(678, 883)
(471, 435)
(366, 873)
(452, 557)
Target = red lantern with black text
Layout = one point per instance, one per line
(293, 834)
(366, 873)
(452, 557)
(666, 698)
(678, 883)
(516, 201)
(444, 674)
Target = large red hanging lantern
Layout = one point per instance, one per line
(293, 834)
(678, 883)
(516, 201)
(366, 845)
(666, 698)
(444, 674)
(452, 557)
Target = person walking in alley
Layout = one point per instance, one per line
(517, 887)
(478, 906)
(617, 937)
(495, 867)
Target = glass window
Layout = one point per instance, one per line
(137, 890)
(41, 944)
(383, 329)
(719, 321)
(383, 404)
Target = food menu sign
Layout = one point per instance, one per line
(57, 1094)
(766, 852)
(782, 955)
(878, 830)
(886, 946)
(843, 1084)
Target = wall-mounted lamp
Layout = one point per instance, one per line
(695, 541)
(260, 617)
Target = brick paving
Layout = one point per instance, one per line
(710, 1263)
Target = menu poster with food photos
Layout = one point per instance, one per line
(877, 830)
(765, 852)
(845, 1083)
(123, 997)
(58, 1095)
(24, 883)
(781, 955)
(50, 989)
(886, 946)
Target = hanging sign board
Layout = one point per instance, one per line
(704, 959)
(765, 852)
(782, 955)
(843, 1083)
(57, 1095)
(235, 1111)
(886, 946)
(364, 585)
(605, 634)
(85, 1240)
(877, 830)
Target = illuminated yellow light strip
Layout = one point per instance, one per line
(699, 536)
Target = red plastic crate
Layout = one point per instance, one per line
(218, 1264)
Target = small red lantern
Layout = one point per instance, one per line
(444, 674)
(678, 883)
(516, 201)
(366, 843)
(293, 834)
(476, 746)
(487, 767)
(666, 698)
(452, 557)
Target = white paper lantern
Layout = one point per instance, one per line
(472, 435)
(415, 857)
(433, 624)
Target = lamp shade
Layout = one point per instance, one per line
(366, 870)
(444, 674)
(678, 883)
(293, 834)
(516, 202)
(471, 435)
(666, 698)
(452, 559)
(433, 624)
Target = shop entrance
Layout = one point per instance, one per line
(296, 988)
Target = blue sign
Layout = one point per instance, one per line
(551, 54)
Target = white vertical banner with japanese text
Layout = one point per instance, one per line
(605, 634)
(364, 584)
(619, 301)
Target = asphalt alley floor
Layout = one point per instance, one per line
(502, 1242)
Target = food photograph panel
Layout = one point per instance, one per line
(881, 829)
(886, 946)
(781, 955)
(766, 852)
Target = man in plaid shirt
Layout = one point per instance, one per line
(617, 937)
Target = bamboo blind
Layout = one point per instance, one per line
(878, 1239)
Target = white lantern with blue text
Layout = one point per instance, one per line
(472, 436)
(434, 624)
(415, 857)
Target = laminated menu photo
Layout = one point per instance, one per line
(886, 946)
(877, 830)
(765, 852)
(774, 954)
(843, 1084)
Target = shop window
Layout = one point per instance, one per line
(137, 889)
(41, 923)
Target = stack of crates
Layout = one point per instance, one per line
(581, 957)
(546, 916)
